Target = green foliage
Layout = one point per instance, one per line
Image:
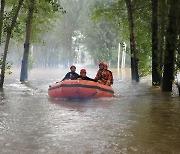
(8, 65)
(64, 33)
(115, 12)
(102, 41)
(99, 39)
(143, 35)
(46, 12)
(100, 36)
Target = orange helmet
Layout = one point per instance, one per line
(101, 63)
(73, 66)
(83, 71)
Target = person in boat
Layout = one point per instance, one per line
(107, 76)
(83, 76)
(72, 75)
(99, 72)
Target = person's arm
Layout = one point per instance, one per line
(66, 77)
(90, 79)
(77, 75)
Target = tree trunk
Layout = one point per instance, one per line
(1, 19)
(24, 66)
(163, 12)
(134, 58)
(156, 77)
(9, 32)
(178, 50)
(171, 39)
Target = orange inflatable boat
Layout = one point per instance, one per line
(79, 89)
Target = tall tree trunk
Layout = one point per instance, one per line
(178, 51)
(134, 58)
(163, 13)
(9, 32)
(24, 66)
(1, 18)
(156, 77)
(171, 39)
(178, 33)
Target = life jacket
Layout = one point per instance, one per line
(99, 75)
(107, 77)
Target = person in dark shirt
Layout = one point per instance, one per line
(71, 75)
(83, 76)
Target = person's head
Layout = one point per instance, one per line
(101, 65)
(83, 72)
(105, 66)
(73, 68)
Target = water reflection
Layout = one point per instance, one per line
(81, 103)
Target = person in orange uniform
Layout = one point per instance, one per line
(107, 78)
(99, 73)
(83, 76)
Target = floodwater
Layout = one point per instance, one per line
(140, 119)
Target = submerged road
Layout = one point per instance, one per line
(140, 119)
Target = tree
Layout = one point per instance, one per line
(134, 56)
(115, 13)
(51, 7)
(102, 35)
(24, 66)
(1, 19)
(163, 13)
(156, 77)
(8, 36)
(67, 29)
(171, 45)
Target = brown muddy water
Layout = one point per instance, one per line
(139, 119)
